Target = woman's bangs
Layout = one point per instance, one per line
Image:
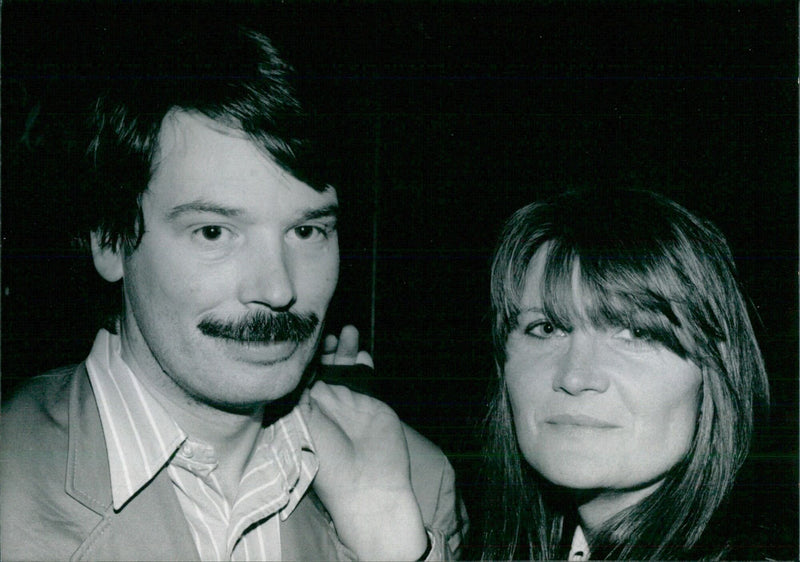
(614, 293)
(558, 297)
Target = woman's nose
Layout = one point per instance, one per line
(580, 369)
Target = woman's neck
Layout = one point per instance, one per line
(595, 507)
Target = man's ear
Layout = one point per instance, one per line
(107, 261)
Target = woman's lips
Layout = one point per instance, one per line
(580, 420)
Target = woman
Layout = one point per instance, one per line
(629, 379)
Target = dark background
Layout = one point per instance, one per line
(447, 117)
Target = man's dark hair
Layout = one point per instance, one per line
(232, 75)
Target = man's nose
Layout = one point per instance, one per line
(269, 279)
(580, 369)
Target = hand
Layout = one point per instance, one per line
(344, 350)
(364, 477)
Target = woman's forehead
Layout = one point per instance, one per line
(556, 285)
(565, 280)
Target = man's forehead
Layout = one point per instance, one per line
(196, 145)
(179, 124)
(203, 159)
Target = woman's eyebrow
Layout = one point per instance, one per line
(534, 309)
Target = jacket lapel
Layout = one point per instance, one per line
(88, 478)
(151, 526)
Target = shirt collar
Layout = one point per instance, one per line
(275, 479)
(580, 548)
(141, 437)
(297, 456)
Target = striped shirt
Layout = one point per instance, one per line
(141, 438)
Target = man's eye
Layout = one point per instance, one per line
(544, 329)
(211, 232)
(308, 232)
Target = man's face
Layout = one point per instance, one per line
(225, 295)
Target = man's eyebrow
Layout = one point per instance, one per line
(201, 206)
(328, 211)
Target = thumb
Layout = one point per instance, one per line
(364, 358)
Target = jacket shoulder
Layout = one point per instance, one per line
(428, 462)
(34, 446)
(434, 483)
(39, 405)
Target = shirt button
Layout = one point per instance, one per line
(188, 451)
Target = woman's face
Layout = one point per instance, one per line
(596, 409)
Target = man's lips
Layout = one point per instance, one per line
(579, 420)
(266, 353)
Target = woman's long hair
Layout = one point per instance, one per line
(647, 262)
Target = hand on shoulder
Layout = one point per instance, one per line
(364, 476)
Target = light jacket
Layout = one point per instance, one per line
(55, 489)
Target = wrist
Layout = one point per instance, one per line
(397, 533)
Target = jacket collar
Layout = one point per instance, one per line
(88, 478)
(151, 526)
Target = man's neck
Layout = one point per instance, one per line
(232, 434)
(233, 437)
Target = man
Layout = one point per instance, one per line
(188, 432)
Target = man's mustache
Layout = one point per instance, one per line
(263, 327)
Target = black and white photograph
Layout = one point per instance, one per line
(399, 280)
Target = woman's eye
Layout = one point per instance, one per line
(632, 334)
(544, 329)
(636, 338)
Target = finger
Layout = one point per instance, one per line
(339, 402)
(321, 400)
(364, 358)
(329, 347)
(323, 423)
(336, 401)
(329, 396)
(305, 402)
(347, 349)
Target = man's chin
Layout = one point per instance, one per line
(257, 374)
(278, 383)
